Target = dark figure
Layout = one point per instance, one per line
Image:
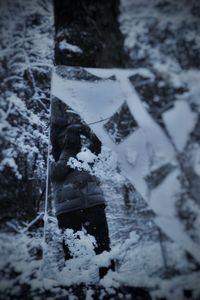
(79, 200)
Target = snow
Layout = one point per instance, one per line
(17, 101)
(146, 149)
(21, 139)
(102, 99)
(10, 162)
(153, 147)
(142, 22)
(86, 155)
(79, 165)
(89, 295)
(103, 165)
(140, 153)
(63, 45)
(140, 259)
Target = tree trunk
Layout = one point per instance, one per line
(93, 27)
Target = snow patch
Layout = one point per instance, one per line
(86, 155)
(63, 45)
(103, 166)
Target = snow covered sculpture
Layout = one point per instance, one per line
(107, 101)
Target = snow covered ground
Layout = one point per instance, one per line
(148, 156)
(150, 118)
(150, 243)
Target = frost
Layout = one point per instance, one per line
(148, 152)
